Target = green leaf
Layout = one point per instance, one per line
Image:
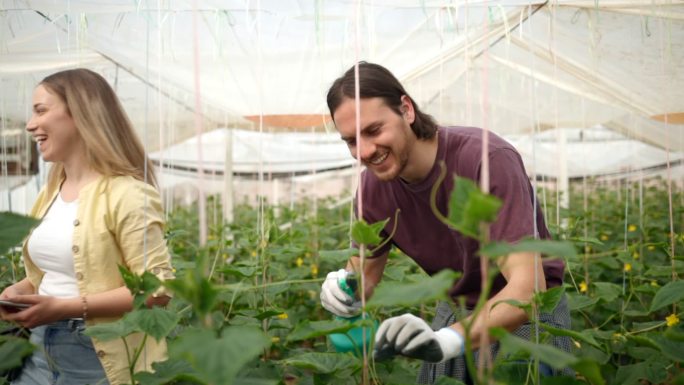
(671, 293)
(166, 372)
(675, 333)
(270, 313)
(592, 240)
(311, 329)
(590, 370)
(651, 371)
(131, 280)
(578, 301)
(156, 322)
(217, 360)
(324, 362)
(542, 246)
(196, 289)
(547, 354)
(643, 341)
(240, 271)
(12, 351)
(407, 294)
(444, 380)
(141, 286)
(112, 330)
(549, 299)
(338, 256)
(561, 380)
(674, 350)
(14, 229)
(469, 207)
(578, 336)
(607, 291)
(363, 233)
(514, 302)
(636, 313)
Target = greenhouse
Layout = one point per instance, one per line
(193, 189)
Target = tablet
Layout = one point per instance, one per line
(10, 304)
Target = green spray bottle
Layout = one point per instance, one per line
(352, 341)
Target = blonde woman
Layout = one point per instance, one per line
(99, 209)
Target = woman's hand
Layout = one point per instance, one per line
(20, 288)
(43, 309)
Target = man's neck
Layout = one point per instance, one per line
(421, 160)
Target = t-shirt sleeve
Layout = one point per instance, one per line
(509, 182)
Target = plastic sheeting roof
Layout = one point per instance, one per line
(253, 152)
(515, 67)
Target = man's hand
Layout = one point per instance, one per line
(410, 336)
(335, 300)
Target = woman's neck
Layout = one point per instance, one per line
(76, 176)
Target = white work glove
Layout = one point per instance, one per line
(410, 336)
(335, 300)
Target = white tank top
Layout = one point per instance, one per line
(50, 249)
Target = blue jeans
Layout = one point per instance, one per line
(63, 355)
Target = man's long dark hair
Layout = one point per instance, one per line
(376, 81)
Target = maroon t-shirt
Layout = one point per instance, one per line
(431, 243)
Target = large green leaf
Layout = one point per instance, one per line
(363, 233)
(579, 301)
(217, 360)
(591, 371)
(240, 271)
(542, 246)
(112, 330)
(14, 229)
(142, 286)
(592, 240)
(407, 294)
(674, 350)
(168, 371)
(667, 295)
(324, 362)
(561, 380)
(196, 289)
(555, 358)
(12, 351)
(577, 336)
(549, 299)
(338, 256)
(675, 333)
(643, 341)
(550, 355)
(469, 207)
(448, 381)
(607, 291)
(311, 329)
(156, 322)
(652, 371)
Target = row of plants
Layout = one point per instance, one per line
(246, 305)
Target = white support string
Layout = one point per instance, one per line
(199, 127)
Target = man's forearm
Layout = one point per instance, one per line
(373, 268)
(521, 270)
(502, 315)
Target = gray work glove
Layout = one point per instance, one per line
(410, 336)
(335, 300)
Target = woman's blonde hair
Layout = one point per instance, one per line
(112, 146)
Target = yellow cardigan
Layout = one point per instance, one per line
(119, 221)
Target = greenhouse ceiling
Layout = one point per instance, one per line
(514, 67)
